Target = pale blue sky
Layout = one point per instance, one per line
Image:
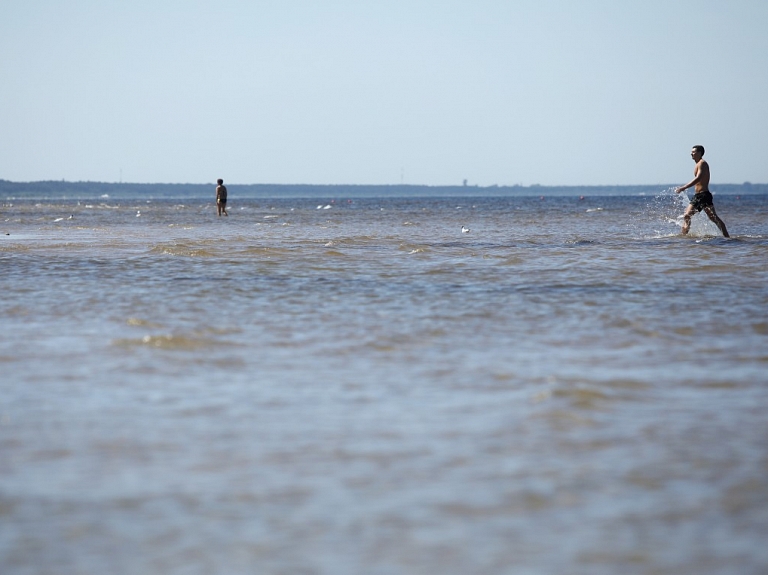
(555, 92)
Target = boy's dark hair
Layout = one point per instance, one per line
(699, 148)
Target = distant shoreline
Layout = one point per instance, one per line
(89, 190)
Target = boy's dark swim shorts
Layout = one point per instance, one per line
(701, 200)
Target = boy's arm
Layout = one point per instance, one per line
(698, 175)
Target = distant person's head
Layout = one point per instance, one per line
(698, 149)
(219, 181)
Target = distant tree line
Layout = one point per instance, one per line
(89, 190)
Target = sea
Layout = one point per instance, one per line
(510, 384)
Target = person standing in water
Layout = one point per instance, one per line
(702, 199)
(221, 198)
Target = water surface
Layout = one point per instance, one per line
(569, 387)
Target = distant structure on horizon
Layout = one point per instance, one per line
(85, 190)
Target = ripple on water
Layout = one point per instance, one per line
(175, 342)
(233, 395)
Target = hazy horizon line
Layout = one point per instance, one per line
(398, 185)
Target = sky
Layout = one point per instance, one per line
(494, 92)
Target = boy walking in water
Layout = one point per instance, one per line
(221, 198)
(702, 199)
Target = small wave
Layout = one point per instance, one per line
(582, 397)
(141, 323)
(660, 234)
(170, 342)
(194, 251)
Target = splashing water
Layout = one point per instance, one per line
(666, 210)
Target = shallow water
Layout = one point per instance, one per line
(570, 387)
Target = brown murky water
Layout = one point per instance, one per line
(569, 387)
